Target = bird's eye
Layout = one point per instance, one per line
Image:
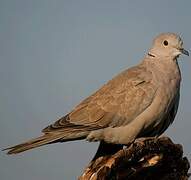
(165, 43)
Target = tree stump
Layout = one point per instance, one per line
(145, 159)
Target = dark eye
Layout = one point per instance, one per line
(165, 43)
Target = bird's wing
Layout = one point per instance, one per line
(117, 103)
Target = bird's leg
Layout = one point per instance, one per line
(96, 135)
(118, 135)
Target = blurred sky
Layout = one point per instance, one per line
(55, 53)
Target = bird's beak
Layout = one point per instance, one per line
(183, 51)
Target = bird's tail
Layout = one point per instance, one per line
(47, 138)
(33, 143)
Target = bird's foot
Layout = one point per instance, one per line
(142, 139)
(95, 136)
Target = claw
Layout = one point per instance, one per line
(94, 136)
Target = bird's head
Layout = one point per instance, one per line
(167, 45)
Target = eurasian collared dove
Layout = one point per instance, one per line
(139, 102)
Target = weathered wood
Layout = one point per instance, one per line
(145, 159)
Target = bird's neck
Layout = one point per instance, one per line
(168, 67)
(163, 61)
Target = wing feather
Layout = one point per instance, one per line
(117, 103)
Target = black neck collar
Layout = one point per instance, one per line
(151, 55)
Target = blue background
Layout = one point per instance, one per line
(55, 53)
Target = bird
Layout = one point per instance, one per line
(141, 101)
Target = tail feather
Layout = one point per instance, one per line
(42, 140)
(67, 134)
(48, 138)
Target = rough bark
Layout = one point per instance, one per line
(145, 159)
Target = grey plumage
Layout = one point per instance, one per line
(140, 101)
